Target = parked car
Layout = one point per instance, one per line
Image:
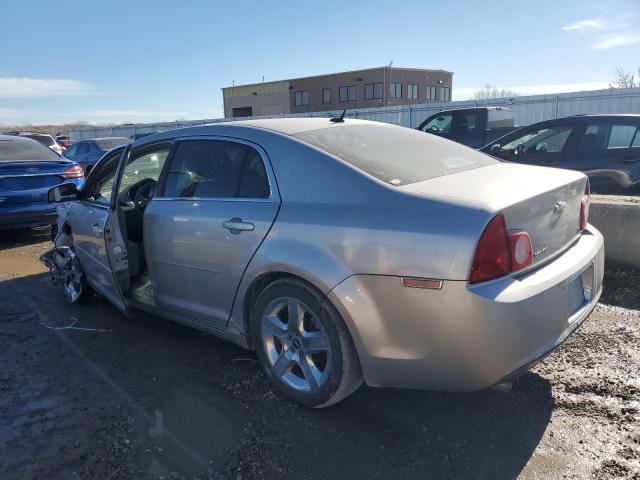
(63, 140)
(605, 147)
(88, 152)
(309, 241)
(44, 138)
(28, 170)
(473, 127)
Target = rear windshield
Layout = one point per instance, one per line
(395, 155)
(43, 139)
(109, 143)
(16, 150)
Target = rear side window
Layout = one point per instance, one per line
(43, 139)
(24, 150)
(594, 137)
(396, 155)
(83, 148)
(622, 136)
(216, 169)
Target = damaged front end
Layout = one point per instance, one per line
(63, 264)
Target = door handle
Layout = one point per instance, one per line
(630, 159)
(97, 229)
(237, 225)
(550, 163)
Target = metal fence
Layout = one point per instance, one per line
(526, 110)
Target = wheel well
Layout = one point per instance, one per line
(254, 291)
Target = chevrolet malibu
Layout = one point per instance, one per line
(341, 251)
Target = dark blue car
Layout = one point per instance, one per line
(88, 152)
(28, 170)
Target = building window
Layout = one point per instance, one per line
(445, 94)
(242, 112)
(348, 94)
(372, 91)
(395, 90)
(431, 92)
(302, 98)
(326, 95)
(412, 91)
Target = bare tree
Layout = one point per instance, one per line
(624, 79)
(490, 92)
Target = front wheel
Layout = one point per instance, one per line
(304, 345)
(68, 276)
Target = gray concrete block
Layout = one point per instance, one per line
(618, 218)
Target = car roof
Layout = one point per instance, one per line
(293, 126)
(16, 138)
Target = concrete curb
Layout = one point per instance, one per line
(618, 218)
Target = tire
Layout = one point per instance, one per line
(71, 280)
(312, 361)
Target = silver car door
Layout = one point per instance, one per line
(217, 204)
(96, 236)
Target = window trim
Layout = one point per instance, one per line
(373, 88)
(274, 193)
(324, 90)
(301, 93)
(355, 93)
(409, 85)
(394, 86)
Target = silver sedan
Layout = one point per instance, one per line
(338, 250)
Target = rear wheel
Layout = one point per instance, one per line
(304, 345)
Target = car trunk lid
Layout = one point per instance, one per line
(544, 202)
(29, 181)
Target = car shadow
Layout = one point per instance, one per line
(23, 237)
(621, 288)
(209, 401)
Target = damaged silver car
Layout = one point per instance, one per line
(339, 250)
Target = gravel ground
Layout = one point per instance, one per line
(146, 398)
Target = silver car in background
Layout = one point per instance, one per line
(339, 250)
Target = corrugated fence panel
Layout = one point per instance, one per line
(526, 110)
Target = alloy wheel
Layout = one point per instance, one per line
(296, 345)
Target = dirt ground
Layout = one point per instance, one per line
(118, 398)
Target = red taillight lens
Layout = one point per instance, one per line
(500, 252)
(73, 172)
(584, 206)
(492, 258)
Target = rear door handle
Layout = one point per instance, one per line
(630, 159)
(237, 225)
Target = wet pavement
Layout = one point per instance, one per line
(147, 398)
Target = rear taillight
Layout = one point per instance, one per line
(500, 252)
(584, 206)
(73, 172)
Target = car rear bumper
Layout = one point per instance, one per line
(469, 337)
(28, 215)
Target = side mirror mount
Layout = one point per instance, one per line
(63, 193)
(495, 148)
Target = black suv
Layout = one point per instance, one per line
(605, 147)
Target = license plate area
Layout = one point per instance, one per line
(580, 291)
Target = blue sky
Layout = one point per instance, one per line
(111, 61)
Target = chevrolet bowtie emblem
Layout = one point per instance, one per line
(558, 207)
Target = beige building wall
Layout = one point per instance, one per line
(280, 97)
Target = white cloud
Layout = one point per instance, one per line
(467, 93)
(12, 87)
(593, 24)
(10, 112)
(617, 40)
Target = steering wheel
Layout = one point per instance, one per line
(520, 149)
(144, 193)
(434, 129)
